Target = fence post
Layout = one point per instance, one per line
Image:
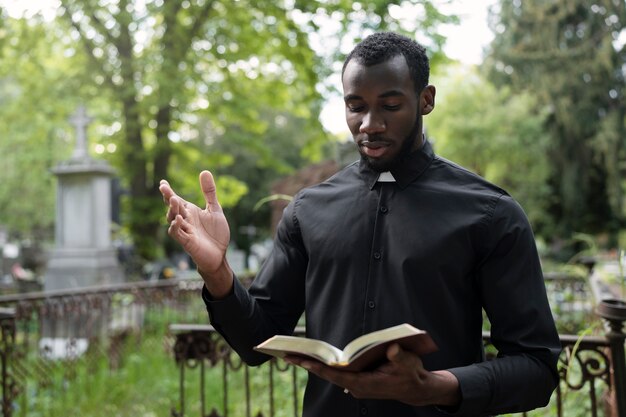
(7, 347)
(614, 312)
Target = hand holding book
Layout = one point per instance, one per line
(402, 377)
(364, 352)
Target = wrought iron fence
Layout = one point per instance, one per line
(585, 388)
(587, 372)
(274, 389)
(7, 343)
(55, 344)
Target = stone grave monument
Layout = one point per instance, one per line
(83, 255)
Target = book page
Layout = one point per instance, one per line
(379, 336)
(284, 345)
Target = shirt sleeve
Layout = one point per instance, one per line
(275, 300)
(524, 374)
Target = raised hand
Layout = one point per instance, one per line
(203, 233)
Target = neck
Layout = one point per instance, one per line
(418, 142)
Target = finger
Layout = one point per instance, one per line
(403, 359)
(182, 206)
(207, 183)
(169, 216)
(174, 209)
(394, 353)
(178, 206)
(166, 191)
(293, 359)
(178, 229)
(344, 379)
(175, 227)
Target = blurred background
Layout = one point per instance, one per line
(530, 97)
(101, 99)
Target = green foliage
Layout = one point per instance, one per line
(586, 246)
(110, 378)
(495, 134)
(259, 161)
(231, 190)
(33, 113)
(96, 390)
(168, 83)
(173, 64)
(568, 55)
(273, 197)
(146, 381)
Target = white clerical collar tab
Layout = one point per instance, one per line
(386, 177)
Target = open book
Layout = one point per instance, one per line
(364, 352)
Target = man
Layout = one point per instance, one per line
(400, 236)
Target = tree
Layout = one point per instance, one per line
(495, 134)
(153, 61)
(167, 81)
(34, 107)
(166, 63)
(571, 56)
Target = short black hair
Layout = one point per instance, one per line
(382, 46)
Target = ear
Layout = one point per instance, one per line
(427, 99)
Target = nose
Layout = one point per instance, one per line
(372, 123)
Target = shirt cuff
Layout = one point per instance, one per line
(474, 385)
(229, 306)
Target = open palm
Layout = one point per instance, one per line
(203, 233)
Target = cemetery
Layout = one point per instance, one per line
(87, 319)
(102, 310)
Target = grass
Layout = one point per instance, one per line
(147, 385)
(146, 382)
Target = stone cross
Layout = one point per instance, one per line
(80, 119)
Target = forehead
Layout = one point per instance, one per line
(389, 75)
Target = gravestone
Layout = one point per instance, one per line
(83, 255)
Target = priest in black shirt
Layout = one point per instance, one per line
(400, 236)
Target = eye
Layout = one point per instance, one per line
(354, 109)
(391, 107)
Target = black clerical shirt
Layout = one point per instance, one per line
(432, 249)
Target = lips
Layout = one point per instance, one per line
(375, 149)
(373, 145)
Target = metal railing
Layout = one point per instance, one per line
(49, 339)
(200, 348)
(55, 341)
(587, 377)
(591, 368)
(7, 343)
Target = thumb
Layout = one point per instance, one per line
(395, 353)
(402, 357)
(207, 184)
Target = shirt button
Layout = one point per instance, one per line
(371, 304)
(377, 255)
(384, 209)
(363, 411)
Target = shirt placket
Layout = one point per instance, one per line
(376, 267)
(377, 261)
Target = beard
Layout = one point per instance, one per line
(405, 150)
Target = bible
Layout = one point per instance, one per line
(364, 352)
